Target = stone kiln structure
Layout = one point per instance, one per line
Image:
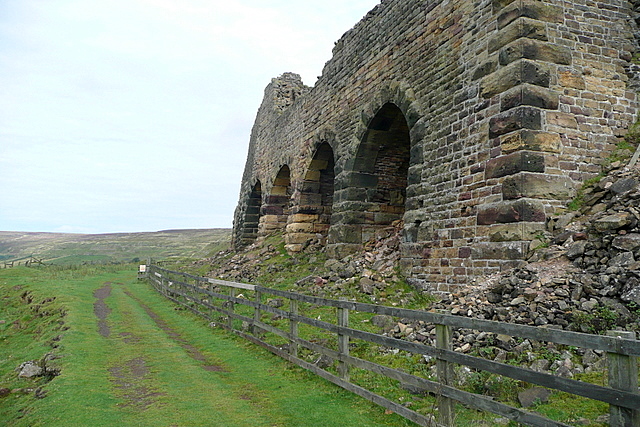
(471, 121)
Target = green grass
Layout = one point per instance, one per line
(254, 387)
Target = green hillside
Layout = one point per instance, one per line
(66, 248)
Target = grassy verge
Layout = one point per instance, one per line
(169, 369)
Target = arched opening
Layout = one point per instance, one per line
(276, 208)
(311, 216)
(252, 216)
(378, 182)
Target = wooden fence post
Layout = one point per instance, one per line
(232, 293)
(257, 313)
(623, 375)
(444, 370)
(293, 328)
(210, 298)
(343, 341)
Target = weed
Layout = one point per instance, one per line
(598, 321)
(578, 201)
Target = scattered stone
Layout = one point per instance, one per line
(323, 362)
(275, 302)
(612, 222)
(623, 185)
(383, 321)
(532, 396)
(540, 365)
(30, 369)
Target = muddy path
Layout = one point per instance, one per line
(101, 309)
(132, 377)
(193, 352)
(159, 366)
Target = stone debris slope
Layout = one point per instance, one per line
(583, 275)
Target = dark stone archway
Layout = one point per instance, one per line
(376, 188)
(311, 214)
(252, 216)
(276, 209)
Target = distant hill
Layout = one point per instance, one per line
(67, 248)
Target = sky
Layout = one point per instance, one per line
(135, 115)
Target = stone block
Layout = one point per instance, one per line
(345, 234)
(500, 250)
(627, 242)
(310, 199)
(514, 163)
(516, 231)
(342, 250)
(501, 4)
(514, 74)
(485, 69)
(623, 185)
(538, 186)
(312, 175)
(535, 50)
(533, 396)
(527, 94)
(364, 180)
(531, 140)
(613, 222)
(521, 27)
(515, 119)
(318, 164)
(297, 218)
(530, 9)
(348, 194)
(571, 79)
(521, 210)
(564, 120)
(385, 218)
(299, 238)
(272, 210)
(310, 187)
(321, 228)
(281, 182)
(294, 248)
(300, 227)
(349, 217)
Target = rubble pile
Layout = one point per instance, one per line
(584, 276)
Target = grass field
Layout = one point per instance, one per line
(128, 357)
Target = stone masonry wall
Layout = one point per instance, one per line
(471, 121)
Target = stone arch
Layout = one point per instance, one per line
(375, 180)
(276, 208)
(252, 215)
(311, 213)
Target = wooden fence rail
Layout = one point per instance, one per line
(28, 261)
(201, 294)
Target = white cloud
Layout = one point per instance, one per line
(110, 110)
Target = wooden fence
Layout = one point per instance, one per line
(27, 262)
(230, 304)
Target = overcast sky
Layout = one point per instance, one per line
(135, 115)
